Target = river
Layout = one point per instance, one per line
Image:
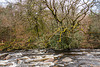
(51, 58)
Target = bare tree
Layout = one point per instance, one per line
(68, 15)
(71, 10)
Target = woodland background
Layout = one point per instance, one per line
(57, 24)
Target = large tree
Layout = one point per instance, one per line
(68, 14)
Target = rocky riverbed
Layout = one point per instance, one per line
(51, 58)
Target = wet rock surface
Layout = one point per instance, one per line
(2, 56)
(51, 58)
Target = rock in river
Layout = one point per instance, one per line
(49, 60)
(3, 62)
(17, 54)
(2, 56)
(24, 58)
(67, 59)
(7, 57)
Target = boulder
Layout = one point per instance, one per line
(59, 55)
(24, 58)
(49, 56)
(3, 62)
(17, 54)
(66, 59)
(49, 60)
(35, 60)
(34, 63)
(61, 65)
(29, 60)
(47, 63)
(40, 59)
(7, 57)
(2, 56)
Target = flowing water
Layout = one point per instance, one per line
(51, 58)
(84, 58)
